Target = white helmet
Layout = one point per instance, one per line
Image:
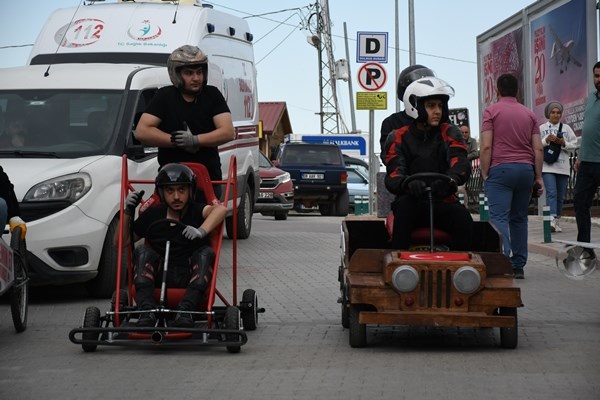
(424, 88)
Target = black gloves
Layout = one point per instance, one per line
(441, 188)
(416, 188)
(132, 201)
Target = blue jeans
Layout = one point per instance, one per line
(586, 184)
(3, 214)
(508, 189)
(555, 186)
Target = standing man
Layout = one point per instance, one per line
(190, 119)
(588, 163)
(511, 160)
(472, 154)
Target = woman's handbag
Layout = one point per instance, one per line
(552, 151)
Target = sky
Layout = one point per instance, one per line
(287, 65)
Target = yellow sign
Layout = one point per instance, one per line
(371, 100)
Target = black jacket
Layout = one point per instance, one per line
(410, 150)
(7, 192)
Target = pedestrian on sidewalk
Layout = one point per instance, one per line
(587, 164)
(511, 160)
(555, 173)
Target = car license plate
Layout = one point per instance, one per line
(312, 176)
(265, 195)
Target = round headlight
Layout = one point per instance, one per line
(405, 278)
(467, 279)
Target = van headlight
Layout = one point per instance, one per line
(467, 279)
(405, 278)
(65, 188)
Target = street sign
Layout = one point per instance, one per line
(371, 46)
(372, 76)
(371, 100)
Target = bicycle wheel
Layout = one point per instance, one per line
(19, 293)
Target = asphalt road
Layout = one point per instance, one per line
(301, 351)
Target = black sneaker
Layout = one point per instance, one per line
(519, 274)
(183, 320)
(147, 319)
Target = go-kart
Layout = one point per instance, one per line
(426, 285)
(14, 279)
(214, 325)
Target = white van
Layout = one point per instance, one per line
(91, 73)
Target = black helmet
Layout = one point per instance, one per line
(186, 56)
(409, 75)
(175, 174)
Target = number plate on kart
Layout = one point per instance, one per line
(312, 176)
(265, 195)
(6, 266)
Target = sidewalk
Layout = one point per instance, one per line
(569, 227)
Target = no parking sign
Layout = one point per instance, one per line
(372, 76)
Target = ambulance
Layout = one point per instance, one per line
(67, 118)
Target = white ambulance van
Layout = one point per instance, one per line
(90, 75)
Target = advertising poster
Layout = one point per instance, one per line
(559, 60)
(500, 56)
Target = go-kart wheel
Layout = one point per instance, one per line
(232, 321)
(358, 332)
(249, 310)
(509, 337)
(19, 293)
(91, 320)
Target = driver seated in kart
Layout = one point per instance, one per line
(428, 144)
(190, 268)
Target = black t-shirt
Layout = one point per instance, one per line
(193, 217)
(175, 112)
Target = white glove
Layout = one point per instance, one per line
(185, 140)
(17, 221)
(132, 201)
(192, 233)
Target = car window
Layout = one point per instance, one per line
(354, 177)
(263, 161)
(307, 154)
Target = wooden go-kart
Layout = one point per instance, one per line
(432, 287)
(214, 325)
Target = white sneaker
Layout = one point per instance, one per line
(557, 227)
(553, 225)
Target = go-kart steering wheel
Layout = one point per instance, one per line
(427, 177)
(167, 229)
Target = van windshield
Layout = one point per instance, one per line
(63, 123)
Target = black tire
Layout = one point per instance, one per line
(232, 321)
(244, 219)
(103, 285)
(345, 308)
(281, 215)
(250, 310)
(342, 204)
(358, 332)
(327, 209)
(509, 337)
(19, 293)
(90, 320)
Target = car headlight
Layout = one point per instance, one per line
(65, 188)
(405, 278)
(467, 280)
(283, 178)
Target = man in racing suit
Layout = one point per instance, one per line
(191, 264)
(428, 144)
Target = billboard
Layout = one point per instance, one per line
(551, 59)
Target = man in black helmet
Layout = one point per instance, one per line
(190, 264)
(190, 119)
(397, 120)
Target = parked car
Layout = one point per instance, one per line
(358, 184)
(276, 196)
(319, 175)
